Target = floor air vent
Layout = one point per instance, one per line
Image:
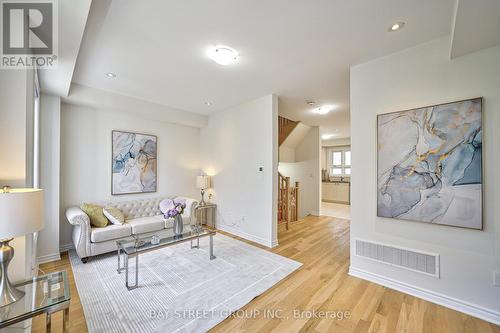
(413, 260)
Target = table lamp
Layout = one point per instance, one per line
(202, 183)
(21, 213)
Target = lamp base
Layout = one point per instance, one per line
(202, 202)
(8, 294)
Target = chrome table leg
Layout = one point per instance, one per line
(66, 320)
(212, 257)
(48, 323)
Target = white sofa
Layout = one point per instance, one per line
(142, 217)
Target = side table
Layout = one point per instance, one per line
(205, 215)
(47, 294)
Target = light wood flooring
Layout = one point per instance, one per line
(321, 244)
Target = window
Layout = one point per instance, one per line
(347, 154)
(339, 161)
(336, 171)
(337, 158)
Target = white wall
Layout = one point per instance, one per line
(16, 109)
(336, 142)
(50, 139)
(307, 171)
(16, 161)
(86, 157)
(234, 145)
(415, 77)
(286, 154)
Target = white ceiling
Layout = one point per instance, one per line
(300, 50)
(477, 26)
(72, 17)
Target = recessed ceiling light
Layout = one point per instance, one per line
(223, 55)
(324, 109)
(396, 26)
(311, 103)
(328, 136)
(208, 103)
(111, 75)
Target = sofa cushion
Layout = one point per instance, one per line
(138, 208)
(97, 218)
(146, 224)
(112, 231)
(114, 215)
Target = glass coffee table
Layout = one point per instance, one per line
(47, 294)
(133, 247)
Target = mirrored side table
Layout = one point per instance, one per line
(47, 294)
(205, 215)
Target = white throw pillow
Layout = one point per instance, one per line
(114, 215)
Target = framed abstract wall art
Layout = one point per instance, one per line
(133, 163)
(429, 164)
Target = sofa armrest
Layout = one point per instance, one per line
(76, 216)
(81, 230)
(190, 210)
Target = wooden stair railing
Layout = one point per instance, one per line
(288, 200)
(285, 127)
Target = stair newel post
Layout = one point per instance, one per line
(287, 200)
(296, 201)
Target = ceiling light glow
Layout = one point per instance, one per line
(328, 136)
(324, 109)
(396, 26)
(111, 75)
(223, 55)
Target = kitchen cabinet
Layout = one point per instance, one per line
(336, 192)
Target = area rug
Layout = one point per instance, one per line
(180, 289)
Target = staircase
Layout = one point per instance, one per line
(288, 196)
(285, 127)
(288, 199)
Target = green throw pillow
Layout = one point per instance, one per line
(97, 218)
(114, 215)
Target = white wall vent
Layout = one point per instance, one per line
(414, 260)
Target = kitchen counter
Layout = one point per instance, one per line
(336, 182)
(337, 191)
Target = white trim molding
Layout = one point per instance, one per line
(48, 258)
(247, 236)
(474, 310)
(66, 247)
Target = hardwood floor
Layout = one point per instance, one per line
(321, 244)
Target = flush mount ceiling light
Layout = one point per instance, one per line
(111, 75)
(324, 109)
(223, 55)
(396, 26)
(328, 136)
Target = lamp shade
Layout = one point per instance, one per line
(202, 182)
(21, 212)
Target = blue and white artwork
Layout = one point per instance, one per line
(430, 164)
(134, 163)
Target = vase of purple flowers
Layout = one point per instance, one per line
(175, 211)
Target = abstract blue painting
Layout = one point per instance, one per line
(430, 164)
(134, 163)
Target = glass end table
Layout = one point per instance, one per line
(47, 294)
(133, 247)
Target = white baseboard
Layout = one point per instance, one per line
(474, 310)
(65, 247)
(48, 258)
(315, 212)
(247, 236)
(274, 243)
